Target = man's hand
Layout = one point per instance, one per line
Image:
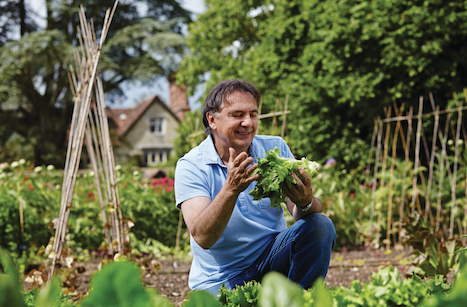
(238, 173)
(300, 193)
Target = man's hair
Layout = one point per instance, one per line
(220, 93)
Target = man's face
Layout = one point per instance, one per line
(236, 123)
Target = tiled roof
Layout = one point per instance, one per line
(125, 118)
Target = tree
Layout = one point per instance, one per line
(340, 62)
(35, 100)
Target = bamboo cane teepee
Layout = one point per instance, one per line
(89, 126)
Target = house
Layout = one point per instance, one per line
(146, 132)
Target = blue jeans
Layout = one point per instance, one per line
(302, 252)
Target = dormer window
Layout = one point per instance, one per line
(156, 125)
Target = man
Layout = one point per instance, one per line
(235, 239)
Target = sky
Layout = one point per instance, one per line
(135, 92)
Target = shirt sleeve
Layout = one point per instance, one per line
(190, 182)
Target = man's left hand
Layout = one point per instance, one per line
(300, 193)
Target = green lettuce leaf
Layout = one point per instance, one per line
(275, 171)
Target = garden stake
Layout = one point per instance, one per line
(406, 166)
(432, 160)
(454, 174)
(441, 172)
(383, 175)
(274, 120)
(417, 200)
(417, 156)
(273, 114)
(367, 174)
(444, 157)
(284, 116)
(375, 173)
(94, 156)
(391, 177)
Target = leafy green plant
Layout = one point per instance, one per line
(241, 296)
(433, 254)
(149, 205)
(278, 291)
(462, 260)
(456, 298)
(274, 171)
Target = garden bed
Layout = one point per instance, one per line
(171, 277)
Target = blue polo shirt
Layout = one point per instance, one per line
(201, 173)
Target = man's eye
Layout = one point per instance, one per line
(254, 115)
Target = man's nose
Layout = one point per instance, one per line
(247, 121)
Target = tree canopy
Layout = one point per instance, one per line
(340, 62)
(35, 100)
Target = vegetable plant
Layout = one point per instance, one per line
(274, 171)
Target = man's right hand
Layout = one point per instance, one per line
(238, 173)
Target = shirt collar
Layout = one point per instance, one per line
(210, 153)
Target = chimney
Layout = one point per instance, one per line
(178, 100)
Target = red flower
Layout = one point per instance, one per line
(31, 187)
(169, 189)
(352, 195)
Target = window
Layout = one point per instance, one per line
(156, 125)
(155, 156)
(161, 156)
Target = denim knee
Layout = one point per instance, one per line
(320, 227)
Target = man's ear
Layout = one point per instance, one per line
(211, 122)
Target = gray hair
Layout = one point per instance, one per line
(219, 94)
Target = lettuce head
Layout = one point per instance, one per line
(275, 171)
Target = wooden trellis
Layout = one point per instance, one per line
(89, 126)
(276, 113)
(423, 185)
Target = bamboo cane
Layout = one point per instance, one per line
(274, 120)
(284, 117)
(404, 145)
(406, 166)
(92, 142)
(367, 173)
(441, 172)
(441, 137)
(383, 170)
(391, 179)
(432, 160)
(111, 162)
(375, 174)
(454, 174)
(417, 155)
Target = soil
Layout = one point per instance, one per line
(170, 278)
